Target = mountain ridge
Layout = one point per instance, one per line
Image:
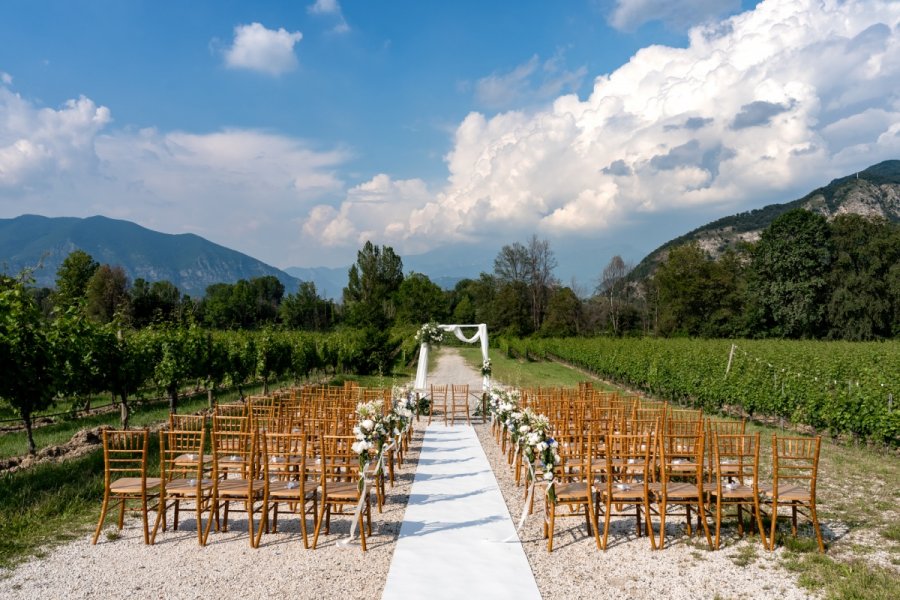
(187, 260)
(874, 191)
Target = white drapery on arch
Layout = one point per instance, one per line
(480, 335)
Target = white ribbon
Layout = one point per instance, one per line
(528, 499)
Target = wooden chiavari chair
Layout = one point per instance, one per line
(736, 460)
(795, 469)
(125, 476)
(183, 480)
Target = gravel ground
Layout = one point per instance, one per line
(176, 567)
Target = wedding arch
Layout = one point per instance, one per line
(480, 335)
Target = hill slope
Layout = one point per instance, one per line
(189, 261)
(872, 192)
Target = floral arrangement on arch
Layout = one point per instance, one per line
(486, 368)
(430, 334)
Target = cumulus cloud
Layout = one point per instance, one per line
(268, 51)
(333, 9)
(529, 82)
(628, 15)
(769, 102)
(374, 209)
(242, 188)
(39, 143)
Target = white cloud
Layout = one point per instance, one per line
(776, 100)
(268, 51)
(530, 82)
(241, 188)
(330, 8)
(5, 78)
(37, 144)
(371, 210)
(631, 14)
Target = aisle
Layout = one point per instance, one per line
(449, 544)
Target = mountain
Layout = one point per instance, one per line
(187, 260)
(874, 192)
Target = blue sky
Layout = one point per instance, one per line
(295, 130)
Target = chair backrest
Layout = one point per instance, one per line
(181, 454)
(795, 460)
(236, 409)
(339, 461)
(681, 455)
(125, 453)
(284, 456)
(628, 460)
(234, 450)
(439, 391)
(736, 459)
(460, 391)
(186, 422)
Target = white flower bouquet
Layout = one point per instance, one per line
(486, 368)
(430, 334)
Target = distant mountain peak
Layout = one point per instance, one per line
(189, 261)
(872, 192)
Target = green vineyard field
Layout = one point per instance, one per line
(842, 387)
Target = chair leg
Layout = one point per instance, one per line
(319, 524)
(662, 525)
(607, 515)
(774, 525)
(103, 510)
(144, 520)
(815, 521)
(649, 525)
(551, 525)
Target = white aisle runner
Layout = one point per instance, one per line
(450, 541)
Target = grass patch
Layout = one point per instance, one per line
(892, 532)
(745, 555)
(521, 373)
(854, 580)
(48, 504)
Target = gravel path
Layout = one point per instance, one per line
(176, 567)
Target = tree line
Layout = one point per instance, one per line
(805, 278)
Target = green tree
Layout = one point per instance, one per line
(861, 304)
(563, 314)
(695, 294)
(419, 300)
(157, 302)
(107, 294)
(371, 287)
(788, 282)
(72, 277)
(29, 382)
(306, 309)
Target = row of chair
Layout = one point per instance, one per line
(245, 458)
(658, 462)
(451, 400)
